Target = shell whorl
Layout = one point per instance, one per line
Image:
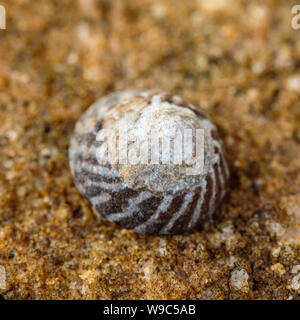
(152, 199)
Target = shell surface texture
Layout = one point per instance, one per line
(149, 161)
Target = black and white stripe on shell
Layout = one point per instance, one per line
(148, 197)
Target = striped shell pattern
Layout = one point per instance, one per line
(153, 199)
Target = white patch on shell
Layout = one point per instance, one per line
(103, 197)
(164, 120)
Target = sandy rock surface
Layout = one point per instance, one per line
(240, 60)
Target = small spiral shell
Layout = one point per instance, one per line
(148, 197)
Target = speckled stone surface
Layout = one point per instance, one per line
(239, 59)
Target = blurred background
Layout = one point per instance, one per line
(239, 60)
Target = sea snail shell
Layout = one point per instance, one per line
(156, 195)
